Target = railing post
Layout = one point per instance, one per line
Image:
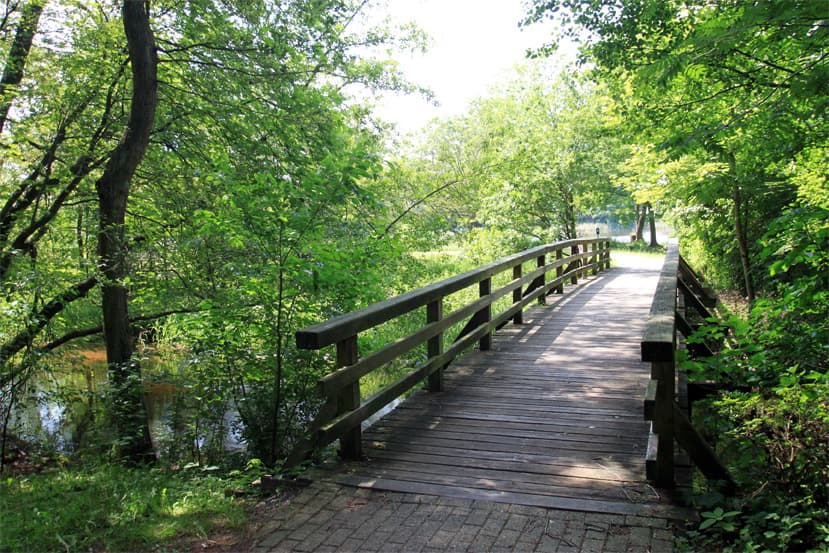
(348, 399)
(595, 259)
(434, 347)
(664, 373)
(517, 272)
(540, 262)
(574, 273)
(559, 272)
(607, 254)
(584, 265)
(485, 314)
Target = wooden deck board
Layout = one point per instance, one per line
(550, 416)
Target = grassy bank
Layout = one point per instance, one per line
(112, 508)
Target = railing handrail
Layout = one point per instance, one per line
(659, 340)
(348, 324)
(670, 421)
(344, 410)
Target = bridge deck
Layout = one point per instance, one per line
(551, 416)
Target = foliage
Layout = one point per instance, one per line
(245, 211)
(775, 437)
(737, 85)
(113, 508)
(519, 169)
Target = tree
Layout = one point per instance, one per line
(523, 165)
(113, 189)
(85, 136)
(741, 85)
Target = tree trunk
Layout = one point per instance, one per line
(652, 225)
(742, 239)
(640, 223)
(128, 410)
(18, 54)
(568, 212)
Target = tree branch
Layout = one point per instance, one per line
(41, 318)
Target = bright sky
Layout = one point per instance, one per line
(474, 44)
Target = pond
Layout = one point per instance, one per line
(58, 407)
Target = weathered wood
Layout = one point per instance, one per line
(659, 341)
(349, 324)
(545, 501)
(550, 413)
(541, 261)
(663, 421)
(517, 294)
(348, 398)
(434, 347)
(485, 315)
(700, 452)
(560, 271)
(331, 383)
(695, 281)
(651, 455)
(692, 300)
(650, 400)
(343, 384)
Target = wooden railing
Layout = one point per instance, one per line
(343, 412)
(679, 289)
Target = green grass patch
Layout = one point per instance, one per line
(114, 508)
(640, 246)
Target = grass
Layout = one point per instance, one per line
(114, 508)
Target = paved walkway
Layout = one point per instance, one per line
(327, 517)
(411, 513)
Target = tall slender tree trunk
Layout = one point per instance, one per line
(640, 223)
(18, 55)
(652, 225)
(128, 410)
(742, 238)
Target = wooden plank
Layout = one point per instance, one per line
(587, 471)
(549, 502)
(577, 432)
(492, 442)
(496, 480)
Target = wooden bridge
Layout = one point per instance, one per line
(547, 411)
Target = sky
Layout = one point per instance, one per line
(474, 44)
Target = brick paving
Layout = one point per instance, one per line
(328, 517)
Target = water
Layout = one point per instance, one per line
(59, 406)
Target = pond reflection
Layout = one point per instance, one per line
(60, 406)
